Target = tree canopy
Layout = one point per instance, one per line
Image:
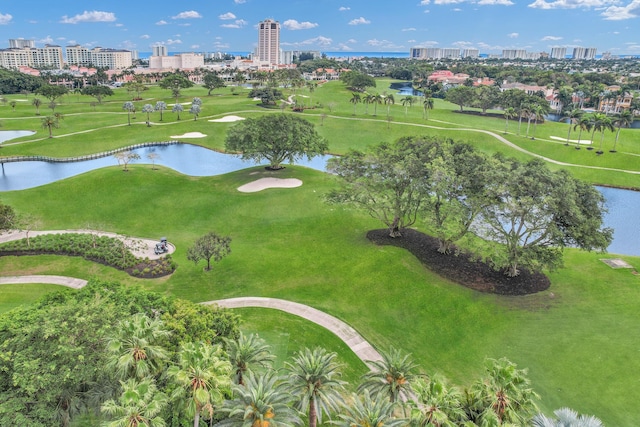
(99, 92)
(52, 92)
(276, 138)
(175, 83)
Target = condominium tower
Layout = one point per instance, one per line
(269, 41)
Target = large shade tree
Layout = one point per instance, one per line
(385, 181)
(175, 82)
(536, 214)
(209, 247)
(276, 138)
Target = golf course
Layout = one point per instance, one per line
(579, 340)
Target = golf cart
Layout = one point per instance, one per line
(161, 247)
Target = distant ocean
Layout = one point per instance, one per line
(343, 54)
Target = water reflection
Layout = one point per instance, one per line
(6, 135)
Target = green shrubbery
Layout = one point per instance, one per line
(109, 251)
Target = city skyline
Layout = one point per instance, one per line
(347, 25)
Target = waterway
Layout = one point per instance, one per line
(193, 160)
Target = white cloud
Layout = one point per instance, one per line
(411, 41)
(5, 18)
(513, 35)
(119, 25)
(384, 44)
(145, 36)
(32, 21)
(195, 46)
(618, 13)
(495, 3)
(239, 23)
(162, 22)
(352, 41)
(227, 16)
(188, 14)
(359, 21)
(456, 9)
(46, 40)
(171, 41)
(571, 4)
(429, 43)
(316, 41)
(292, 24)
(550, 38)
(343, 47)
(409, 29)
(344, 8)
(239, 1)
(86, 16)
(448, 1)
(425, 2)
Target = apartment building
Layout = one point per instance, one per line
(584, 53)
(177, 62)
(113, 59)
(558, 53)
(268, 49)
(49, 56)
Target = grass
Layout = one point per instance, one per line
(579, 339)
(13, 296)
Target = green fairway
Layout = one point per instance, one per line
(579, 339)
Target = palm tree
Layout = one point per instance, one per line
(505, 393)
(262, 402)
(427, 105)
(129, 108)
(37, 102)
(140, 404)
(572, 116)
(622, 121)
(203, 374)
(605, 124)
(177, 108)
(377, 99)
(539, 112)
(50, 122)
(368, 411)
(245, 352)
(160, 106)
(312, 377)
(407, 101)
(134, 349)
(584, 123)
(389, 100)
(509, 113)
(355, 99)
(391, 377)
(148, 108)
(435, 404)
(367, 99)
(566, 417)
(195, 110)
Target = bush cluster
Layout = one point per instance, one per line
(105, 250)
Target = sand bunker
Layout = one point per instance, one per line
(571, 141)
(264, 183)
(227, 119)
(189, 135)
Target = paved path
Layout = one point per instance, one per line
(346, 333)
(145, 249)
(70, 282)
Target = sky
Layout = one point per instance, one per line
(328, 25)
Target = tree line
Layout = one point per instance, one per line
(510, 214)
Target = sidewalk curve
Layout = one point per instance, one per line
(70, 282)
(346, 333)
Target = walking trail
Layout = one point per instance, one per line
(342, 330)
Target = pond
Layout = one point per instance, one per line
(187, 159)
(405, 89)
(193, 160)
(6, 135)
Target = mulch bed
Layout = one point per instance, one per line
(461, 268)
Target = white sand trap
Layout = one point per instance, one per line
(227, 119)
(571, 141)
(264, 183)
(182, 103)
(189, 135)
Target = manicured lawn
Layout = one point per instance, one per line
(579, 339)
(12, 296)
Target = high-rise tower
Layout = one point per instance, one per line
(269, 41)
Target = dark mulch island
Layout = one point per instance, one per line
(461, 268)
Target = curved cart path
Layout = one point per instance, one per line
(346, 333)
(342, 330)
(145, 249)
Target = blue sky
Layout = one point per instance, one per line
(328, 25)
